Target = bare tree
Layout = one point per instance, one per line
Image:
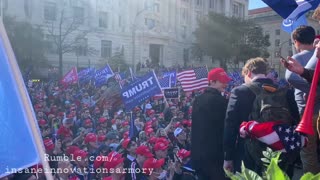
(68, 33)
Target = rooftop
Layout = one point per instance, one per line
(259, 11)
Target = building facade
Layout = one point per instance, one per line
(280, 41)
(158, 30)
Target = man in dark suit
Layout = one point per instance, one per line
(239, 108)
(207, 127)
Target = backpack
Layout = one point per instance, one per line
(270, 104)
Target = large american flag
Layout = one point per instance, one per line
(278, 136)
(194, 79)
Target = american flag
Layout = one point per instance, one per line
(279, 137)
(120, 79)
(194, 79)
(164, 82)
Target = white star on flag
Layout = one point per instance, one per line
(286, 138)
(287, 130)
(292, 147)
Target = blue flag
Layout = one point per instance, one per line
(103, 75)
(297, 17)
(133, 131)
(289, 26)
(86, 75)
(142, 89)
(282, 7)
(18, 148)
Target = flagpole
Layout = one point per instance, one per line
(25, 101)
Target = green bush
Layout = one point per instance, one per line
(273, 171)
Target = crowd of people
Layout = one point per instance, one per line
(76, 123)
(86, 137)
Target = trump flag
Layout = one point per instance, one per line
(142, 89)
(70, 78)
(20, 139)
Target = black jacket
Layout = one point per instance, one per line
(208, 113)
(239, 107)
(308, 75)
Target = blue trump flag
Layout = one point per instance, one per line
(142, 89)
(103, 75)
(86, 75)
(282, 7)
(20, 138)
(297, 17)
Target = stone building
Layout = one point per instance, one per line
(158, 30)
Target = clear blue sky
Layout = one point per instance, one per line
(253, 4)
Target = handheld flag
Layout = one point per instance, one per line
(194, 79)
(86, 75)
(142, 89)
(70, 78)
(20, 137)
(103, 75)
(133, 131)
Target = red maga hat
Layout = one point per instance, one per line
(218, 74)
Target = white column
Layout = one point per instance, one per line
(228, 9)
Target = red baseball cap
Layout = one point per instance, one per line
(163, 140)
(187, 122)
(178, 124)
(160, 146)
(80, 153)
(126, 135)
(102, 120)
(71, 149)
(125, 143)
(144, 151)
(87, 122)
(182, 153)
(148, 127)
(148, 123)
(114, 159)
(152, 163)
(152, 140)
(101, 138)
(149, 131)
(218, 74)
(90, 137)
(42, 122)
(125, 123)
(48, 144)
(99, 161)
